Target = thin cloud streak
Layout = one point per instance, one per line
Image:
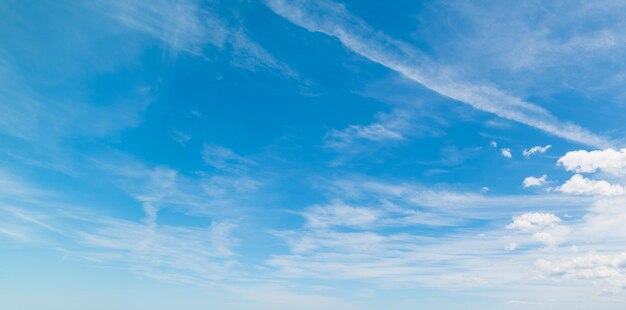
(334, 20)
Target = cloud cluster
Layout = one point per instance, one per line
(607, 161)
(606, 267)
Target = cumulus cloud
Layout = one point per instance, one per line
(533, 181)
(552, 237)
(506, 152)
(580, 185)
(536, 149)
(493, 144)
(606, 267)
(542, 228)
(582, 161)
(533, 221)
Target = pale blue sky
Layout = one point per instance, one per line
(296, 154)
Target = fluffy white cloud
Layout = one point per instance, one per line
(608, 160)
(493, 144)
(506, 152)
(533, 181)
(580, 185)
(552, 236)
(533, 221)
(542, 228)
(536, 149)
(609, 267)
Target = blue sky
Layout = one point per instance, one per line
(284, 154)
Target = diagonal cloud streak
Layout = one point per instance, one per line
(334, 20)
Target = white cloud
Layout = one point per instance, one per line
(506, 152)
(552, 236)
(334, 20)
(582, 161)
(187, 26)
(493, 144)
(536, 149)
(580, 185)
(533, 181)
(533, 221)
(597, 267)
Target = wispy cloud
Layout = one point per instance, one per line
(162, 251)
(190, 27)
(339, 139)
(357, 237)
(536, 149)
(334, 20)
(167, 252)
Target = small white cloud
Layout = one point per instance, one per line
(582, 161)
(536, 149)
(493, 144)
(484, 189)
(506, 152)
(533, 181)
(533, 221)
(580, 185)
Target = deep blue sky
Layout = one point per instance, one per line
(312, 154)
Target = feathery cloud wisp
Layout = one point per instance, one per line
(536, 149)
(334, 20)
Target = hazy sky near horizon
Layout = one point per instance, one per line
(294, 154)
